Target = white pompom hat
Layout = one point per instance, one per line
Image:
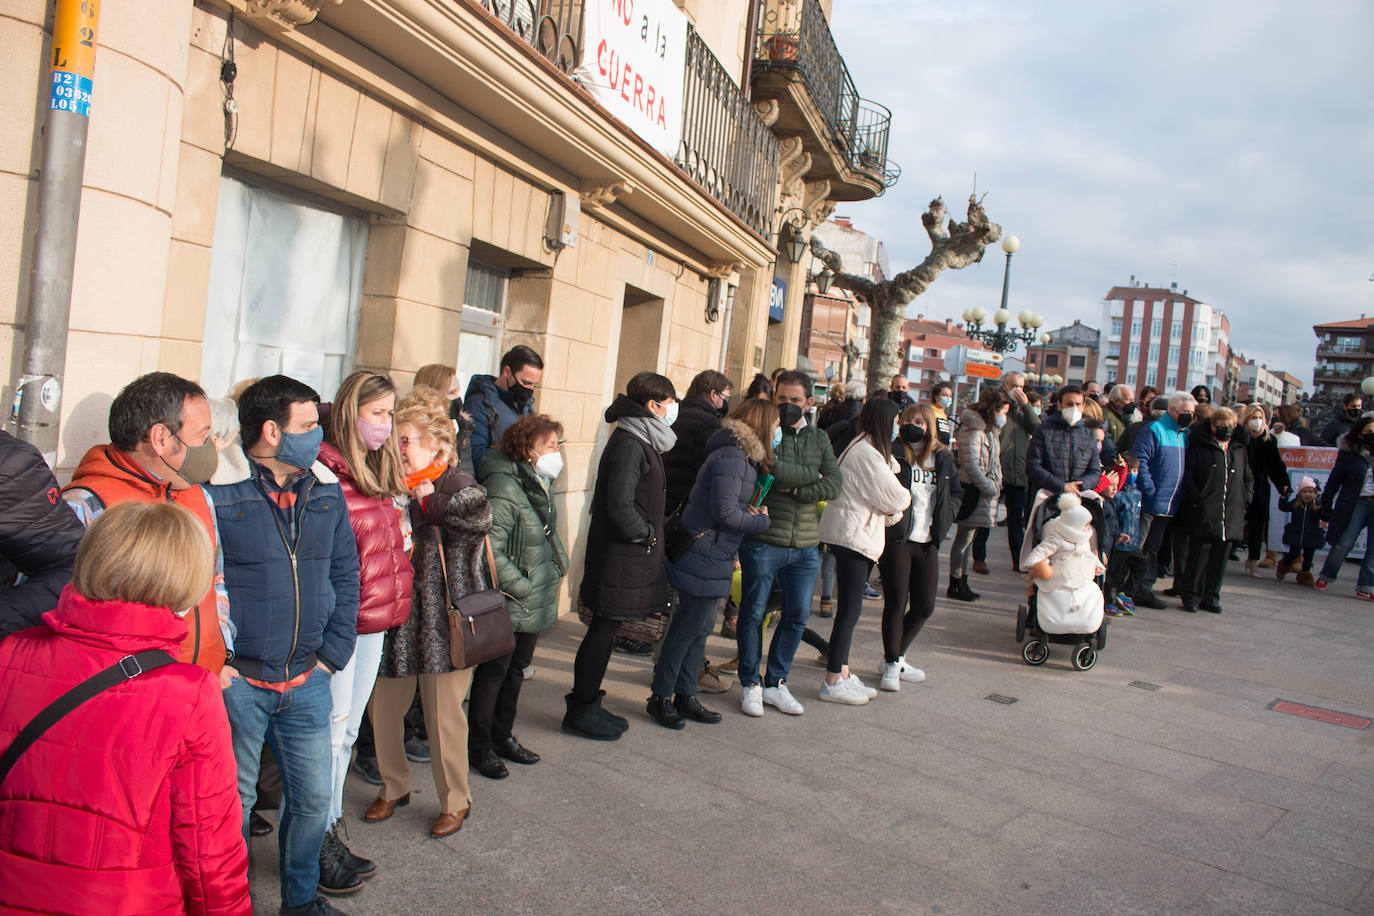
(1073, 518)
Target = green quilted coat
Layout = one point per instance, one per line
(529, 563)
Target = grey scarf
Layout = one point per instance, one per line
(651, 430)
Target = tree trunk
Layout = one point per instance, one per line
(885, 345)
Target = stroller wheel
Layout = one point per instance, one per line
(1101, 638)
(1036, 652)
(1084, 658)
(1020, 623)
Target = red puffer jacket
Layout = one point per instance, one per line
(384, 570)
(130, 803)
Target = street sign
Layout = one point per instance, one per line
(981, 370)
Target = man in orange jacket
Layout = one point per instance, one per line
(160, 449)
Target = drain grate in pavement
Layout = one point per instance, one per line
(1143, 685)
(998, 698)
(1329, 716)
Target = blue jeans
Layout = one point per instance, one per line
(684, 645)
(1361, 519)
(827, 575)
(795, 570)
(296, 726)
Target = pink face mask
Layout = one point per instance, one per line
(374, 435)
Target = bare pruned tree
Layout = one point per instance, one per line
(953, 246)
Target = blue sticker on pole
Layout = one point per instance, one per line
(71, 92)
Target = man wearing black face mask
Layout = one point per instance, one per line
(1217, 487)
(160, 449)
(1352, 405)
(496, 402)
(706, 402)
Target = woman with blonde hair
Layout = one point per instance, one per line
(1267, 466)
(450, 516)
(100, 816)
(910, 564)
(360, 448)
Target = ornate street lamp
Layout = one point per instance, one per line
(823, 280)
(1000, 339)
(790, 234)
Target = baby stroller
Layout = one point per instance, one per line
(1036, 650)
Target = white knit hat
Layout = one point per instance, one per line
(1073, 517)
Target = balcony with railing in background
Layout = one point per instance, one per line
(725, 149)
(794, 41)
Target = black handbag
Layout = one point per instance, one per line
(479, 627)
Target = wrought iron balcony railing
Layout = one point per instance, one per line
(725, 147)
(801, 40)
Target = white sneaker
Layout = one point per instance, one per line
(909, 673)
(781, 699)
(751, 703)
(891, 676)
(844, 691)
(860, 685)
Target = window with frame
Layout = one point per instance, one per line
(1078, 362)
(1154, 353)
(1130, 378)
(1173, 354)
(1116, 327)
(484, 307)
(1134, 353)
(1176, 332)
(1149, 376)
(1156, 327)
(1052, 361)
(1136, 324)
(1170, 382)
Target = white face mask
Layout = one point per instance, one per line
(549, 465)
(1255, 424)
(1072, 415)
(670, 417)
(1135, 415)
(1001, 420)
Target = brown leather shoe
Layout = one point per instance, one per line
(447, 823)
(381, 809)
(980, 567)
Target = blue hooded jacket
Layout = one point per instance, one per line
(1160, 448)
(493, 411)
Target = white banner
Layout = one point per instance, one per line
(1305, 461)
(633, 58)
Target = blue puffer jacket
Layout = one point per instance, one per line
(288, 614)
(493, 411)
(719, 505)
(1126, 505)
(1160, 448)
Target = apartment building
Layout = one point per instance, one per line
(925, 343)
(1071, 353)
(1345, 356)
(1163, 337)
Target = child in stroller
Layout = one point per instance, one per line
(1064, 569)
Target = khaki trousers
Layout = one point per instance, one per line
(441, 695)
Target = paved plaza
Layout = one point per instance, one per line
(1089, 794)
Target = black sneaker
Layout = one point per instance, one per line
(317, 907)
(366, 767)
(633, 646)
(336, 877)
(1148, 599)
(662, 710)
(1208, 604)
(417, 750)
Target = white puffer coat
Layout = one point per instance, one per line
(871, 498)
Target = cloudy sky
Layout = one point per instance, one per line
(1225, 145)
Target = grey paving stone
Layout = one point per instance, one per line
(1234, 894)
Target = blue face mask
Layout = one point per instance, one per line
(945, 401)
(1130, 478)
(777, 437)
(300, 449)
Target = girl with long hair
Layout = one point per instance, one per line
(1267, 466)
(980, 472)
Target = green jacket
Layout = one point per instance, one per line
(526, 562)
(804, 473)
(1022, 423)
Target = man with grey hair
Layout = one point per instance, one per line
(1160, 448)
(1119, 410)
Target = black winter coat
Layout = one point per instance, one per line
(1059, 454)
(697, 422)
(624, 576)
(39, 534)
(1266, 464)
(946, 502)
(719, 506)
(1304, 528)
(1342, 489)
(838, 412)
(455, 519)
(1217, 487)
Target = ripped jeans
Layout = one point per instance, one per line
(350, 687)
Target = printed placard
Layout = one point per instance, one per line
(633, 58)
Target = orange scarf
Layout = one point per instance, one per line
(425, 475)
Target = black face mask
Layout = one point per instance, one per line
(789, 414)
(519, 393)
(912, 433)
(1223, 432)
(455, 409)
(1185, 420)
(1367, 442)
(1353, 413)
(899, 398)
(724, 410)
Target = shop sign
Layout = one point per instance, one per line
(777, 298)
(633, 63)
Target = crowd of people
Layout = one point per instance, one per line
(279, 589)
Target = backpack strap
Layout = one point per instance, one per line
(127, 668)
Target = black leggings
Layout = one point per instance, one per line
(851, 575)
(1257, 534)
(495, 693)
(909, 571)
(593, 657)
(1018, 515)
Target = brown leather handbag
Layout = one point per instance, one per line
(479, 627)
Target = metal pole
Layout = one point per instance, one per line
(38, 393)
(1006, 278)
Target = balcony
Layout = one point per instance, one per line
(726, 149)
(797, 64)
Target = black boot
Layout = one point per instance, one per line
(363, 868)
(335, 876)
(583, 720)
(317, 907)
(959, 590)
(691, 708)
(662, 710)
(619, 722)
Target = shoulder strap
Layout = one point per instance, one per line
(548, 532)
(127, 668)
(443, 567)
